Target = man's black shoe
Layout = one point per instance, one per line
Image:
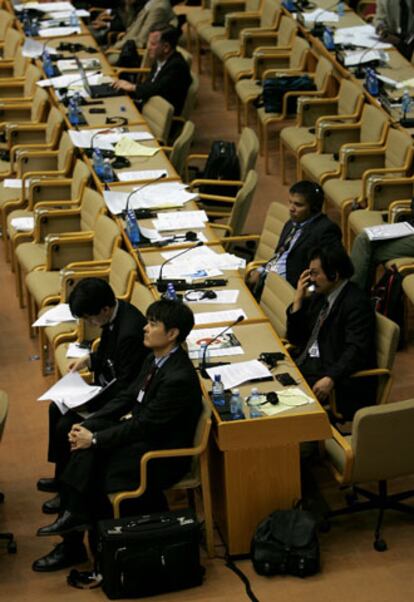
(66, 523)
(52, 506)
(48, 485)
(61, 557)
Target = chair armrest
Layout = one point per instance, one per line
(242, 238)
(207, 182)
(50, 221)
(72, 275)
(252, 265)
(236, 22)
(344, 477)
(42, 161)
(396, 208)
(379, 191)
(62, 250)
(49, 190)
(331, 136)
(252, 39)
(355, 162)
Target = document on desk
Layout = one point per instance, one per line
(154, 236)
(359, 57)
(130, 148)
(225, 344)
(211, 317)
(102, 138)
(23, 224)
(57, 32)
(144, 174)
(240, 372)
(180, 220)
(166, 195)
(389, 231)
(71, 391)
(45, 7)
(208, 258)
(361, 35)
(227, 296)
(65, 14)
(70, 65)
(56, 315)
(288, 399)
(320, 15)
(66, 81)
(33, 49)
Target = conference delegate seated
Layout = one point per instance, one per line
(334, 330)
(170, 75)
(120, 355)
(164, 408)
(307, 228)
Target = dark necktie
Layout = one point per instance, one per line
(315, 333)
(282, 249)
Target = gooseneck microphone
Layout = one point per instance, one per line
(131, 194)
(161, 283)
(204, 364)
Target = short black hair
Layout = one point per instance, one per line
(173, 314)
(311, 192)
(169, 33)
(334, 261)
(90, 296)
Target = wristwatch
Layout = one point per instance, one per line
(94, 440)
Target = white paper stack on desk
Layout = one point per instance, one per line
(164, 195)
(361, 35)
(210, 317)
(104, 138)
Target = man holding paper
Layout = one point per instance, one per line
(334, 330)
(117, 360)
(164, 405)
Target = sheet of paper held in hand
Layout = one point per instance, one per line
(71, 391)
(241, 372)
(389, 231)
(56, 315)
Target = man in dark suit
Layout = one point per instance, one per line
(170, 75)
(164, 408)
(307, 228)
(334, 329)
(117, 360)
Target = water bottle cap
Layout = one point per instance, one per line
(255, 391)
(217, 377)
(235, 391)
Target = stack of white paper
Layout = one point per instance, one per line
(145, 174)
(207, 258)
(56, 315)
(180, 220)
(389, 231)
(33, 49)
(68, 65)
(70, 392)
(53, 32)
(68, 80)
(362, 35)
(320, 15)
(210, 317)
(359, 57)
(104, 138)
(155, 236)
(45, 7)
(237, 373)
(154, 196)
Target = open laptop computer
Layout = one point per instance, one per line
(97, 90)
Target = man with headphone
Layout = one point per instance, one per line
(307, 228)
(332, 322)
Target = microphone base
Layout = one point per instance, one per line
(203, 370)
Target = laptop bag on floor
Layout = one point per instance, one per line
(149, 554)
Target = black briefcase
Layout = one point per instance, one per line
(149, 554)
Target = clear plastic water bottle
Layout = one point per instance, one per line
(27, 24)
(132, 228)
(236, 405)
(170, 293)
(73, 19)
(203, 354)
(217, 392)
(73, 112)
(98, 162)
(108, 173)
(254, 402)
(340, 8)
(405, 104)
(371, 82)
(328, 39)
(47, 64)
(35, 27)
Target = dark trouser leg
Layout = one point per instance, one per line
(59, 427)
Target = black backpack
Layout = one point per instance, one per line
(286, 543)
(388, 298)
(275, 88)
(222, 164)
